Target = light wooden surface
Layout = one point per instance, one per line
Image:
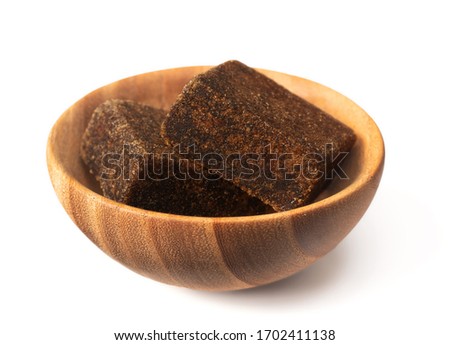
(213, 253)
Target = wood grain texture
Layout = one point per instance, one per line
(213, 253)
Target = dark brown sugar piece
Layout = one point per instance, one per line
(273, 144)
(123, 149)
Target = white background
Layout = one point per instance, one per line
(386, 283)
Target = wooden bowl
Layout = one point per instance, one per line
(213, 253)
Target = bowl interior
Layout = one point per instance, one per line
(160, 89)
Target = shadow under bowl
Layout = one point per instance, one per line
(213, 253)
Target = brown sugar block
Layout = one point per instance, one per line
(122, 147)
(274, 145)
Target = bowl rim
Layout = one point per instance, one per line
(375, 163)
